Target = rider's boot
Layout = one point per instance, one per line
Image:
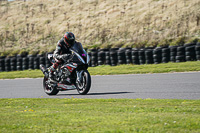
(68, 81)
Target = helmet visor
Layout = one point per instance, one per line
(71, 42)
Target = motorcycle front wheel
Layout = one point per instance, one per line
(83, 87)
(49, 90)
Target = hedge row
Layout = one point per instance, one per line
(113, 57)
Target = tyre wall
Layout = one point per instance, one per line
(112, 56)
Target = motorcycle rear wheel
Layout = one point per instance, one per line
(48, 89)
(84, 87)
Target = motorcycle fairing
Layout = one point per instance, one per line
(70, 66)
(80, 53)
(66, 87)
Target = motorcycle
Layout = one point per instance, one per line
(72, 74)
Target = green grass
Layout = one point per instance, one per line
(111, 70)
(99, 115)
(143, 69)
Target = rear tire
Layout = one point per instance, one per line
(84, 88)
(48, 89)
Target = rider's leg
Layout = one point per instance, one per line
(53, 69)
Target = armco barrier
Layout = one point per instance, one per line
(113, 57)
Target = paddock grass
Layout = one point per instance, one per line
(144, 69)
(99, 115)
(112, 70)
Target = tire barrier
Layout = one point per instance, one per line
(2, 64)
(135, 57)
(108, 62)
(113, 57)
(197, 49)
(157, 55)
(173, 52)
(13, 64)
(48, 63)
(36, 63)
(128, 56)
(41, 59)
(101, 58)
(190, 44)
(19, 63)
(89, 53)
(25, 63)
(190, 54)
(149, 56)
(31, 61)
(7, 64)
(165, 55)
(142, 56)
(180, 57)
(94, 57)
(121, 56)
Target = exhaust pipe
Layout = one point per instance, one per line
(44, 70)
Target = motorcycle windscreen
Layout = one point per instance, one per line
(76, 60)
(77, 47)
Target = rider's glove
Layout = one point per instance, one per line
(65, 56)
(60, 57)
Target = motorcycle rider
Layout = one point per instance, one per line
(62, 52)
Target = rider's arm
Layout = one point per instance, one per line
(57, 52)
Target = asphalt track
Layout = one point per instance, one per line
(156, 86)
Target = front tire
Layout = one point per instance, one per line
(49, 90)
(84, 87)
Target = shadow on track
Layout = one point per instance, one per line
(109, 93)
(106, 93)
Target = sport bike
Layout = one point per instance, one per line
(71, 74)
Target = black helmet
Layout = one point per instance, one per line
(69, 39)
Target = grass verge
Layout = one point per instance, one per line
(99, 115)
(111, 70)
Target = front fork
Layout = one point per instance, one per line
(79, 76)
